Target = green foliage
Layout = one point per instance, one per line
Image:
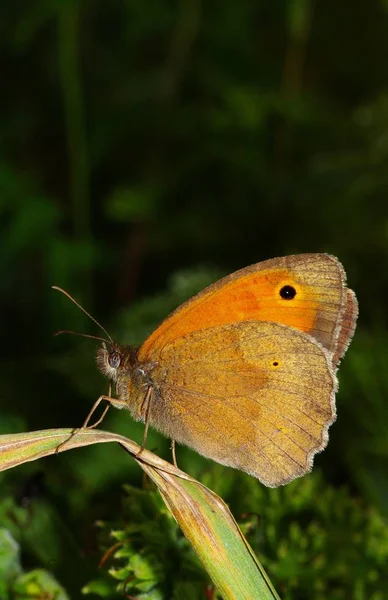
(9, 561)
(16, 584)
(151, 558)
(317, 541)
(366, 378)
(314, 540)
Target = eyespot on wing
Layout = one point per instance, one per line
(307, 292)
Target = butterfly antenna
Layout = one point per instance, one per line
(85, 335)
(54, 287)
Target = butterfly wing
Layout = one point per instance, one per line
(347, 326)
(255, 396)
(255, 294)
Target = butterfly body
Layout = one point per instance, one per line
(244, 372)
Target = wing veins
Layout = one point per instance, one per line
(234, 408)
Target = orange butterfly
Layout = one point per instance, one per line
(244, 372)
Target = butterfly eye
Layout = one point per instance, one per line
(114, 360)
(288, 292)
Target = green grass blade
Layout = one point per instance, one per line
(204, 518)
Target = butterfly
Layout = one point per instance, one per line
(245, 371)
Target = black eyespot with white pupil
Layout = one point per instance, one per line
(288, 292)
(114, 360)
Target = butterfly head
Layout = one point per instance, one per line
(116, 361)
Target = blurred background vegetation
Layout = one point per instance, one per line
(147, 148)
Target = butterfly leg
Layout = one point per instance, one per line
(94, 407)
(110, 400)
(145, 409)
(85, 424)
(96, 424)
(144, 442)
(173, 453)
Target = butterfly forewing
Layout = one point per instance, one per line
(347, 326)
(255, 294)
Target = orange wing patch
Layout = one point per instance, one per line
(255, 294)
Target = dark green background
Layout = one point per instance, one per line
(148, 147)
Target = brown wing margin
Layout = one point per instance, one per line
(349, 320)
